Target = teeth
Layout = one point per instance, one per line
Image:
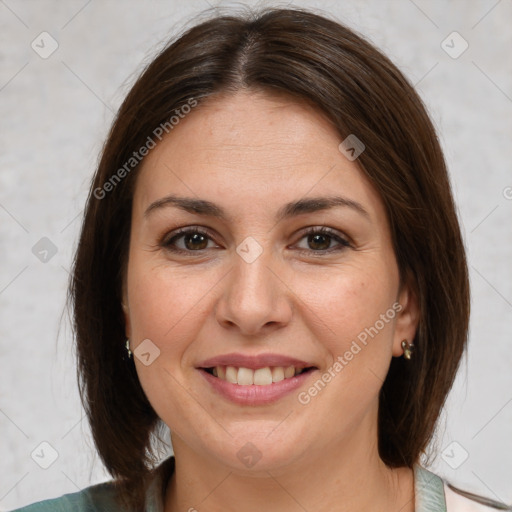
(277, 374)
(260, 377)
(231, 374)
(245, 377)
(289, 372)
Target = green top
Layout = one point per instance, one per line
(428, 488)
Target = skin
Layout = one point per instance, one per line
(251, 153)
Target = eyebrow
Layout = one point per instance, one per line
(295, 208)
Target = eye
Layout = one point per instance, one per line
(187, 240)
(195, 239)
(319, 240)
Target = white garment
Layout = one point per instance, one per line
(455, 502)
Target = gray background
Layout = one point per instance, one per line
(54, 116)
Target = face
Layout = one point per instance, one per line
(263, 323)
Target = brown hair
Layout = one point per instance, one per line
(311, 58)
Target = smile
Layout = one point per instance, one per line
(260, 377)
(254, 379)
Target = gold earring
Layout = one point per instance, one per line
(408, 349)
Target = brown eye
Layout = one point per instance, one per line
(320, 240)
(195, 241)
(187, 240)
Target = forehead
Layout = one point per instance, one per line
(253, 149)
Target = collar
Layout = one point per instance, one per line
(428, 491)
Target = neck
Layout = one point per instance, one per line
(346, 476)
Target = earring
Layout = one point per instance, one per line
(127, 345)
(408, 349)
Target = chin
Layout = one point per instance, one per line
(258, 450)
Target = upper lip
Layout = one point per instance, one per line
(253, 362)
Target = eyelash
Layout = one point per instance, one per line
(167, 241)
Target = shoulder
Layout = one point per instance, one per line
(435, 494)
(91, 499)
(458, 500)
(102, 497)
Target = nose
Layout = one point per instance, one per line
(255, 299)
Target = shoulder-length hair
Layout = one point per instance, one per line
(313, 59)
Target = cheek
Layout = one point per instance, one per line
(349, 301)
(164, 301)
(166, 308)
(353, 315)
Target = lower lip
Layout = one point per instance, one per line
(256, 395)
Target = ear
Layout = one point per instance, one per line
(126, 311)
(408, 316)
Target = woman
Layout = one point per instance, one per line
(271, 266)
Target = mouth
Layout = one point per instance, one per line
(255, 379)
(265, 376)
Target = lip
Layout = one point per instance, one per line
(253, 362)
(254, 394)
